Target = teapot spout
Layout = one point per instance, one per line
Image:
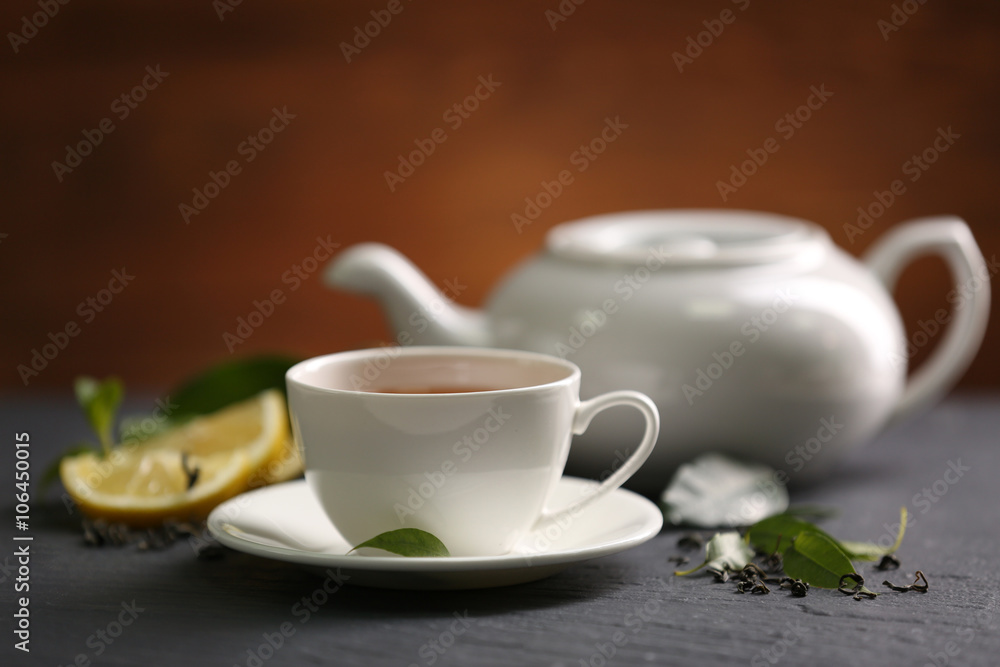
(417, 310)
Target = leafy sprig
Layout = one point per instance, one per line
(806, 552)
(100, 401)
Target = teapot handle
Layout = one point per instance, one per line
(949, 237)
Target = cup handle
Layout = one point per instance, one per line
(585, 412)
(950, 238)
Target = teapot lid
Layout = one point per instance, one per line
(696, 237)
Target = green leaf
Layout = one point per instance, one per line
(872, 551)
(776, 533)
(410, 542)
(816, 559)
(51, 472)
(100, 401)
(714, 490)
(765, 535)
(228, 383)
(725, 551)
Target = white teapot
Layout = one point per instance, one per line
(752, 332)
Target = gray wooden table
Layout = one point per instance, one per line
(107, 606)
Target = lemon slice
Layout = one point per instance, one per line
(144, 488)
(257, 426)
(234, 449)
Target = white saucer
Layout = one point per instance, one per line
(286, 523)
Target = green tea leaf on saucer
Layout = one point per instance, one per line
(872, 551)
(410, 542)
(228, 383)
(817, 560)
(725, 551)
(776, 533)
(714, 490)
(100, 401)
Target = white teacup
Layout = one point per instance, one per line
(474, 465)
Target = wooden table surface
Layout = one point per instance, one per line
(120, 606)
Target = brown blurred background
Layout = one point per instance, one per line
(323, 175)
